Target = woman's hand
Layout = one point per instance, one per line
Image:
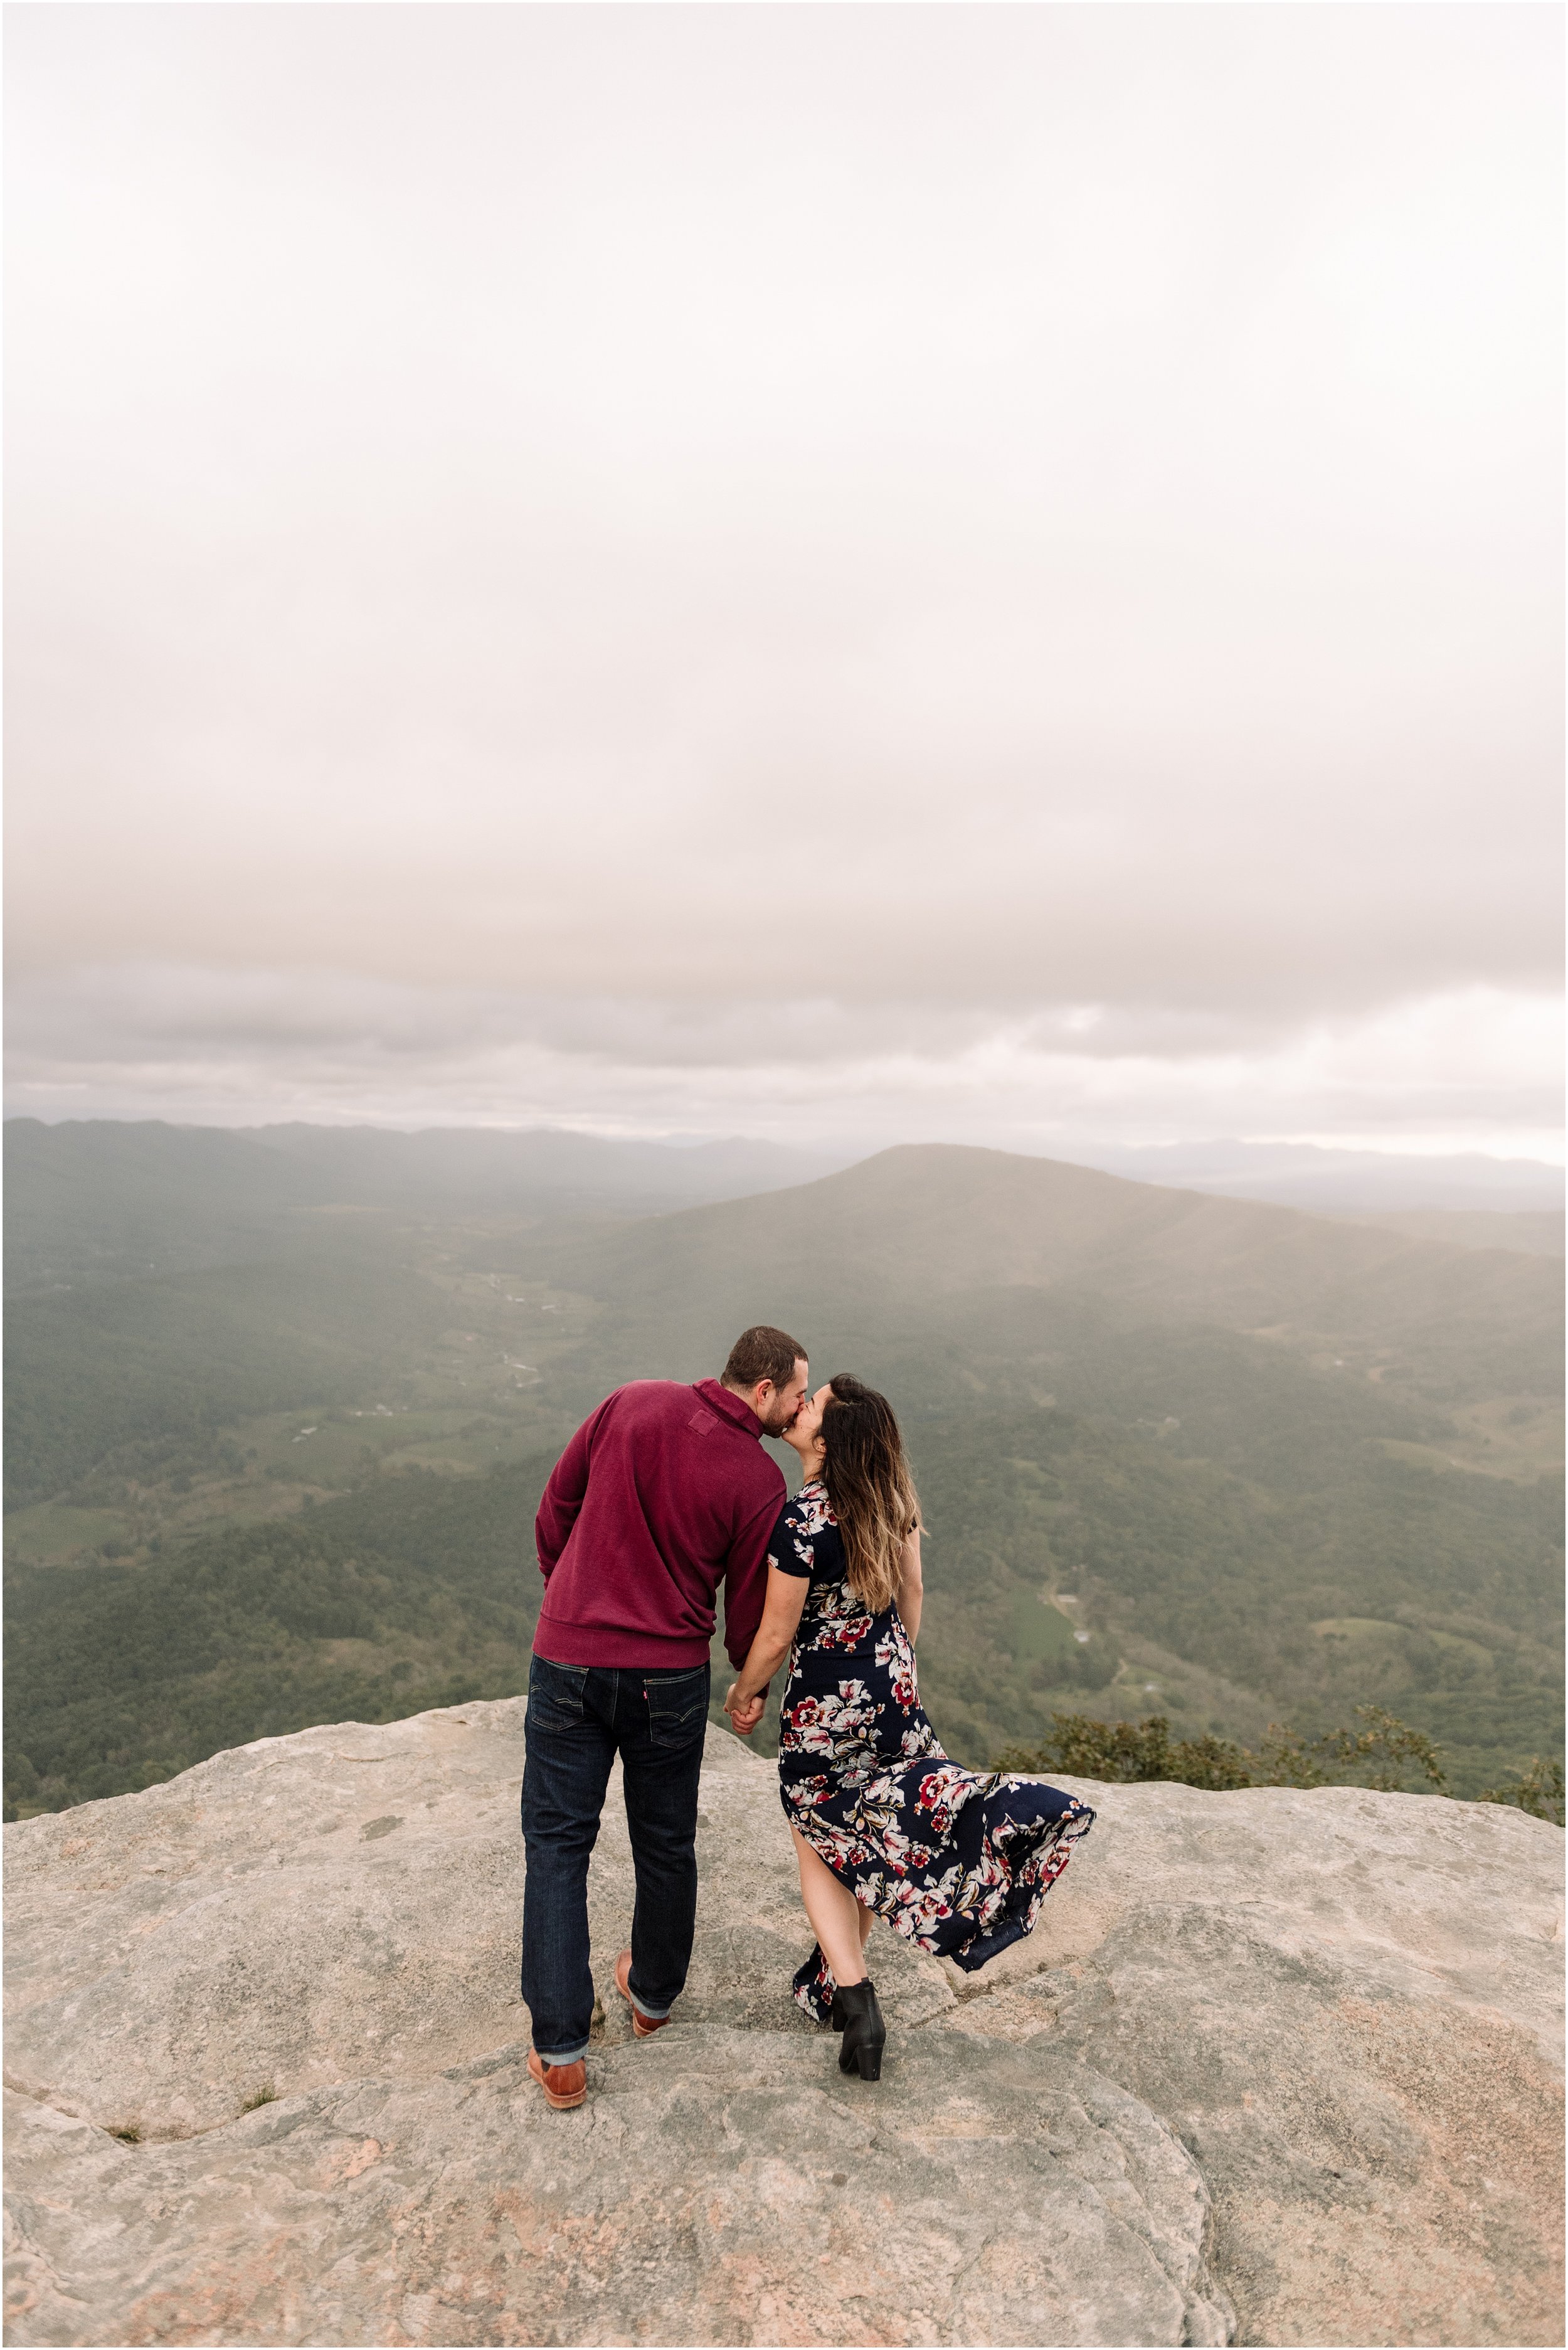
(744, 1712)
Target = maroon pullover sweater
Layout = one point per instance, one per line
(663, 1493)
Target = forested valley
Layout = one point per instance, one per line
(279, 1416)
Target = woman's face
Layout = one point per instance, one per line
(805, 1435)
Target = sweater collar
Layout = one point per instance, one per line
(733, 1407)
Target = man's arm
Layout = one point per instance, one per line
(746, 1579)
(563, 1496)
(775, 1637)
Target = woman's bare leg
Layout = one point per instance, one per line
(834, 1913)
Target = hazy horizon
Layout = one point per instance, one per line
(844, 576)
(1344, 1181)
(1192, 1148)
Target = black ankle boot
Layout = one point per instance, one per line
(857, 2014)
(839, 2015)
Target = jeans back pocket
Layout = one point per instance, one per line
(554, 1694)
(678, 1706)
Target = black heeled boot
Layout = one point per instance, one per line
(857, 2014)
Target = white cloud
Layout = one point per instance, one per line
(1023, 539)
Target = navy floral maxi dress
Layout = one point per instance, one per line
(957, 1861)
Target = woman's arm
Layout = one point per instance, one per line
(781, 1614)
(910, 1589)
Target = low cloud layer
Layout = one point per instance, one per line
(1469, 1071)
(902, 572)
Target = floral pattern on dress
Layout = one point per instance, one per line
(957, 1861)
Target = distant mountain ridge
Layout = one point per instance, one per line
(1343, 1182)
(935, 1218)
(496, 1166)
(121, 1198)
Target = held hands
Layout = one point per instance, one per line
(746, 1712)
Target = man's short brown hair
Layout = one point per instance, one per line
(762, 1353)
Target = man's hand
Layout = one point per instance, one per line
(745, 1713)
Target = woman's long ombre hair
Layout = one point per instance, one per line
(869, 1486)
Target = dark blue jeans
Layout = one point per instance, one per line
(580, 1717)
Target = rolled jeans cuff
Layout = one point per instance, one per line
(652, 2014)
(570, 2056)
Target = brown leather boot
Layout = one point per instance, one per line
(643, 2026)
(563, 2084)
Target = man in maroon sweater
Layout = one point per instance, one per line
(663, 1493)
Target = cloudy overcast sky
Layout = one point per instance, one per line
(857, 573)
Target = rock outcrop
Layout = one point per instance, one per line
(1276, 2067)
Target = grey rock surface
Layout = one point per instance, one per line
(1275, 2068)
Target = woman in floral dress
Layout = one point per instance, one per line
(883, 1825)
